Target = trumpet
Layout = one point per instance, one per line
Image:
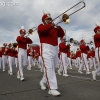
(65, 17)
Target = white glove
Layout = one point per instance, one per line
(26, 35)
(57, 21)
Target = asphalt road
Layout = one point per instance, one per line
(75, 87)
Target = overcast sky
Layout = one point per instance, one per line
(15, 13)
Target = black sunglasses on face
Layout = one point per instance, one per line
(49, 19)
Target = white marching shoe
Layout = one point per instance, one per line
(54, 92)
(80, 72)
(11, 73)
(29, 68)
(94, 75)
(66, 75)
(8, 72)
(43, 86)
(88, 72)
(59, 73)
(18, 76)
(22, 78)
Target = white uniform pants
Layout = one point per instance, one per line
(90, 62)
(49, 57)
(16, 62)
(40, 63)
(94, 63)
(4, 61)
(22, 59)
(78, 61)
(69, 62)
(29, 61)
(97, 55)
(74, 62)
(11, 63)
(84, 62)
(63, 58)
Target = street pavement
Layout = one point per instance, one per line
(75, 87)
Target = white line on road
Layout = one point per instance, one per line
(83, 77)
(77, 77)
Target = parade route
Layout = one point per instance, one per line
(75, 87)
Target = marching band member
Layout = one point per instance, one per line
(22, 41)
(63, 55)
(48, 35)
(84, 50)
(11, 57)
(97, 50)
(4, 55)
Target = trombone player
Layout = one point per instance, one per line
(22, 41)
(48, 33)
(97, 50)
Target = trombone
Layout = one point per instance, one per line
(65, 17)
(31, 31)
(75, 41)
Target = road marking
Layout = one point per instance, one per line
(82, 77)
(77, 77)
(38, 70)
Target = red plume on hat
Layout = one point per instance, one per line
(97, 27)
(22, 30)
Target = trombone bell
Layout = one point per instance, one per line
(30, 31)
(15, 45)
(71, 40)
(65, 18)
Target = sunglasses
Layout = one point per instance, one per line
(49, 19)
